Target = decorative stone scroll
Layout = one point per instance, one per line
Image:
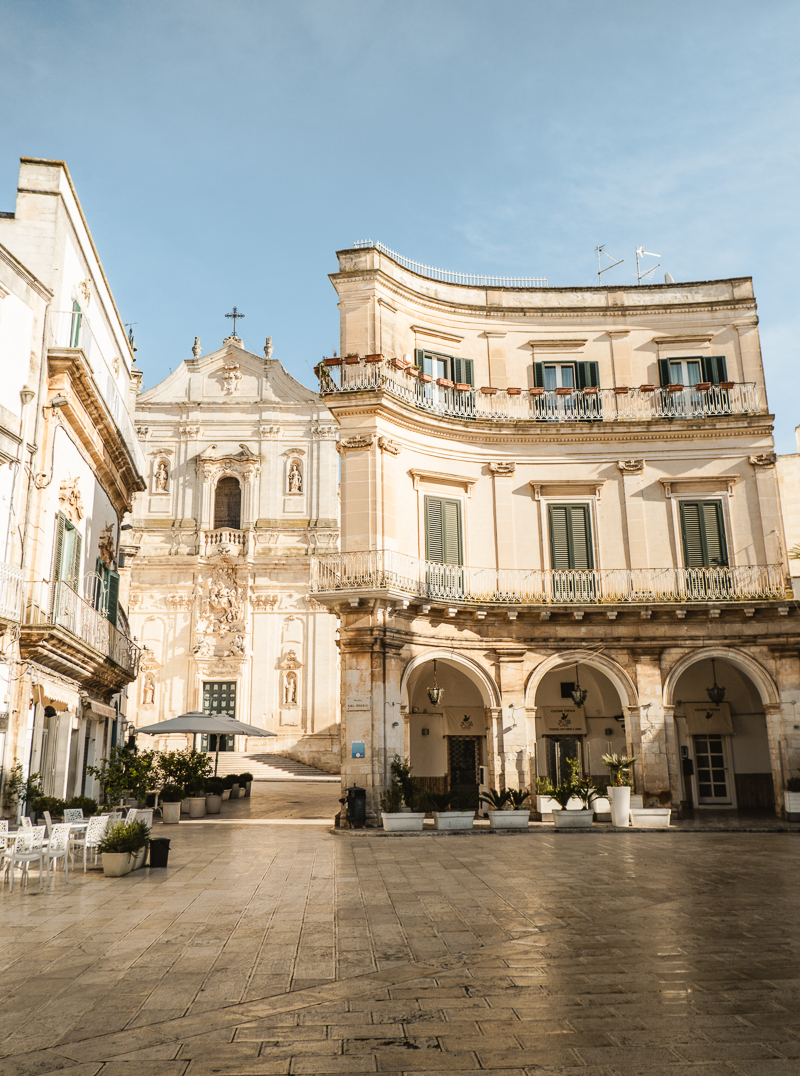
(347, 444)
(263, 602)
(766, 459)
(392, 447)
(631, 466)
(502, 469)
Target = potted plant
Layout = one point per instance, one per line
(351, 359)
(48, 803)
(171, 798)
(445, 382)
(514, 391)
(236, 787)
(619, 791)
(621, 390)
(426, 378)
(83, 803)
(507, 807)
(791, 799)
(214, 789)
(120, 847)
(335, 361)
(403, 789)
(139, 840)
(196, 800)
(536, 392)
(373, 358)
(570, 817)
(447, 811)
(227, 785)
(600, 805)
(488, 390)
(246, 780)
(544, 796)
(647, 388)
(565, 390)
(462, 386)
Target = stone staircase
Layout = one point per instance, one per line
(268, 767)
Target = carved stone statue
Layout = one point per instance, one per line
(196, 349)
(230, 377)
(106, 545)
(290, 689)
(161, 478)
(295, 478)
(268, 348)
(149, 690)
(236, 649)
(223, 605)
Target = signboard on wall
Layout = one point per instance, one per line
(563, 720)
(358, 702)
(703, 718)
(358, 748)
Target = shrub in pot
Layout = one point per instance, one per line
(195, 800)
(122, 846)
(227, 785)
(569, 817)
(507, 807)
(450, 810)
(214, 790)
(403, 789)
(247, 779)
(171, 798)
(48, 803)
(235, 787)
(619, 767)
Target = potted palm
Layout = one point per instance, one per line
(171, 799)
(448, 813)
(507, 807)
(791, 799)
(214, 789)
(570, 817)
(619, 791)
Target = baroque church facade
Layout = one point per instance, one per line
(242, 487)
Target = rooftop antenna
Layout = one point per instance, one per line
(642, 253)
(600, 270)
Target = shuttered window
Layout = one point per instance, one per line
(570, 536)
(67, 553)
(75, 327)
(703, 534)
(586, 375)
(453, 368)
(443, 540)
(714, 368)
(106, 596)
(228, 504)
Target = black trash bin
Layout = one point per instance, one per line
(159, 851)
(356, 806)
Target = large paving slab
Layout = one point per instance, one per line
(274, 946)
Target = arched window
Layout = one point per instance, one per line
(228, 504)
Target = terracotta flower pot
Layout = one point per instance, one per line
(564, 392)
(352, 360)
(444, 382)
(622, 390)
(488, 390)
(674, 388)
(590, 390)
(461, 386)
(536, 392)
(426, 378)
(726, 384)
(373, 358)
(647, 388)
(332, 362)
(701, 386)
(514, 392)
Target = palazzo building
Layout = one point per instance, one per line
(552, 488)
(242, 487)
(71, 465)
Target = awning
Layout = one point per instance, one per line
(59, 696)
(464, 720)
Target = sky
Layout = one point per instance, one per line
(223, 151)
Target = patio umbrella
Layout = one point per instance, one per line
(195, 721)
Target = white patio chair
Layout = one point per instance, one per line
(25, 822)
(144, 815)
(89, 840)
(73, 814)
(48, 822)
(3, 846)
(131, 815)
(29, 848)
(58, 848)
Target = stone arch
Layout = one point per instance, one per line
(474, 672)
(611, 669)
(754, 670)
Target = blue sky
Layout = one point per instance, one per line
(223, 151)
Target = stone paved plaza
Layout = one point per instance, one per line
(276, 946)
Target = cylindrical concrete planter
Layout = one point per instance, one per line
(248, 788)
(235, 792)
(620, 796)
(509, 819)
(213, 804)
(116, 864)
(171, 812)
(197, 806)
(226, 795)
(452, 820)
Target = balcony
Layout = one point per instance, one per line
(386, 573)
(535, 405)
(10, 592)
(66, 634)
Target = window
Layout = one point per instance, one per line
(563, 375)
(75, 327)
(691, 371)
(703, 534)
(228, 504)
(452, 368)
(443, 539)
(106, 596)
(67, 554)
(570, 536)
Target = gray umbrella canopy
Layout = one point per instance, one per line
(203, 723)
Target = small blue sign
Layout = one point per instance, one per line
(358, 749)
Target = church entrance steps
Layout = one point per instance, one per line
(265, 766)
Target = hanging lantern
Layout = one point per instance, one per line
(716, 693)
(578, 693)
(435, 693)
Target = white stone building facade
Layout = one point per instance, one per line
(242, 477)
(545, 487)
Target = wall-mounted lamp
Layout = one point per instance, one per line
(426, 732)
(58, 401)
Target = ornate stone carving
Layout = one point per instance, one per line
(85, 288)
(106, 545)
(223, 604)
(295, 477)
(265, 601)
(314, 605)
(290, 691)
(236, 648)
(179, 601)
(148, 691)
(70, 499)
(197, 351)
(348, 443)
(392, 447)
(161, 477)
(766, 459)
(631, 466)
(230, 377)
(115, 366)
(271, 433)
(189, 431)
(142, 432)
(135, 600)
(324, 433)
(501, 469)
(268, 348)
(203, 648)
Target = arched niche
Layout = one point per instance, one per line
(228, 504)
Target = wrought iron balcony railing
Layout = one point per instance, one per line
(10, 592)
(536, 405)
(398, 574)
(64, 608)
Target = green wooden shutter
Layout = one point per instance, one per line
(664, 372)
(559, 536)
(75, 566)
(58, 548)
(443, 543)
(113, 597)
(418, 356)
(458, 369)
(581, 543)
(452, 532)
(570, 536)
(587, 374)
(703, 534)
(469, 372)
(715, 368)
(538, 375)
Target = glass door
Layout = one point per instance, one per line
(711, 771)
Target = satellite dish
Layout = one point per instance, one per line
(668, 278)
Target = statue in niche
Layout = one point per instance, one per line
(290, 689)
(295, 478)
(162, 477)
(149, 690)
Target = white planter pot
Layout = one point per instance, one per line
(602, 808)
(791, 804)
(248, 787)
(546, 805)
(197, 806)
(170, 812)
(620, 796)
(571, 819)
(510, 819)
(138, 858)
(235, 792)
(226, 795)
(402, 821)
(650, 817)
(116, 864)
(213, 804)
(450, 820)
